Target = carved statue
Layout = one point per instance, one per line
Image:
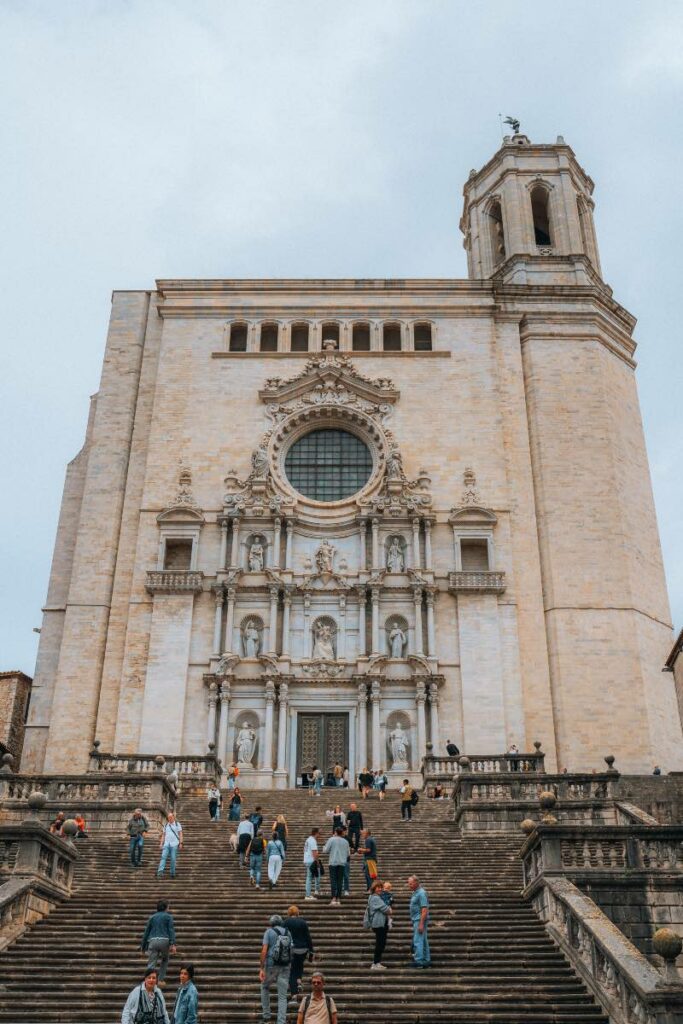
(395, 559)
(252, 640)
(259, 462)
(256, 555)
(245, 743)
(397, 641)
(398, 745)
(324, 557)
(394, 465)
(323, 645)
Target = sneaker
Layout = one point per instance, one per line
(307, 899)
(257, 886)
(347, 893)
(378, 967)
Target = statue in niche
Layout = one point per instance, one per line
(398, 745)
(252, 640)
(394, 465)
(323, 644)
(395, 560)
(245, 743)
(256, 555)
(397, 641)
(324, 557)
(259, 462)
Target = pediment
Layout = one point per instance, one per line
(324, 581)
(329, 376)
(180, 514)
(472, 515)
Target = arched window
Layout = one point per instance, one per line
(361, 338)
(391, 338)
(496, 233)
(422, 337)
(269, 333)
(238, 337)
(299, 341)
(541, 214)
(330, 332)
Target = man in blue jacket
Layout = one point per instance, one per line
(187, 998)
(159, 940)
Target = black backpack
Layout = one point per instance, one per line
(257, 845)
(282, 950)
(305, 1003)
(414, 797)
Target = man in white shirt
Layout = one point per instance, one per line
(171, 842)
(312, 865)
(245, 834)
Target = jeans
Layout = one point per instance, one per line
(274, 868)
(421, 954)
(278, 977)
(354, 838)
(296, 972)
(231, 782)
(406, 809)
(242, 844)
(157, 956)
(380, 942)
(165, 851)
(312, 879)
(317, 786)
(338, 782)
(255, 865)
(336, 880)
(347, 876)
(234, 812)
(135, 850)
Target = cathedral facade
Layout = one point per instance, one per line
(349, 520)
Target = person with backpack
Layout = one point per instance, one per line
(275, 855)
(276, 960)
(233, 772)
(187, 998)
(145, 1004)
(369, 851)
(317, 1008)
(302, 947)
(159, 940)
(245, 834)
(254, 852)
(280, 826)
(256, 818)
(409, 798)
(171, 842)
(377, 914)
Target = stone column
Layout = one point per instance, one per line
(434, 717)
(362, 727)
(375, 698)
(211, 724)
(287, 600)
(420, 698)
(235, 549)
(230, 618)
(362, 533)
(362, 644)
(457, 557)
(267, 756)
(428, 543)
(341, 640)
(276, 543)
(417, 598)
(431, 633)
(375, 545)
(416, 542)
(224, 544)
(272, 621)
(375, 620)
(218, 621)
(307, 626)
(288, 544)
(223, 723)
(282, 728)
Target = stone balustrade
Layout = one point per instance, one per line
(437, 768)
(625, 983)
(174, 581)
(190, 770)
(482, 582)
(36, 873)
(106, 802)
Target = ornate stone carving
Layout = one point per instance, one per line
(399, 496)
(470, 495)
(396, 561)
(251, 638)
(324, 640)
(245, 744)
(397, 637)
(256, 554)
(398, 743)
(226, 664)
(324, 557)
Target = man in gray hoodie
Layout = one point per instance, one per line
(339, 852)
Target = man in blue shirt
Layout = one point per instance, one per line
(419, 916)
(272, 974)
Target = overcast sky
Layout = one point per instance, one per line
(228, 139)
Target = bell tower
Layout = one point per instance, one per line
(528, 216)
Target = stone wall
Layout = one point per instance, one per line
(15, 690)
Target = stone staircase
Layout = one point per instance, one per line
(492, 960)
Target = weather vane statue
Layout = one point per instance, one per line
(514, 124)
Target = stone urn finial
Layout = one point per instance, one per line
(70, 828)
(465, 763)
(668, 944)
(160, 761)
(430, 746)
(609, 761)
(36, 800)
(527, 826)
(537, 746)
(547, 800)
(7, 762)
(212, 748)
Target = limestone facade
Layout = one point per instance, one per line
(15, 694)
(495, 578)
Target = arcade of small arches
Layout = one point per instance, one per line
(281, 335)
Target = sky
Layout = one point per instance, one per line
(285, 138)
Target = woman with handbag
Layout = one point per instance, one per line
(377, 914)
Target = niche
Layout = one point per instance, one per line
(269, 334)
(474, 555)
(391, 337)
(299, 338)
(178, 555)
(324, 639)
(251, 632)
(361, 338)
